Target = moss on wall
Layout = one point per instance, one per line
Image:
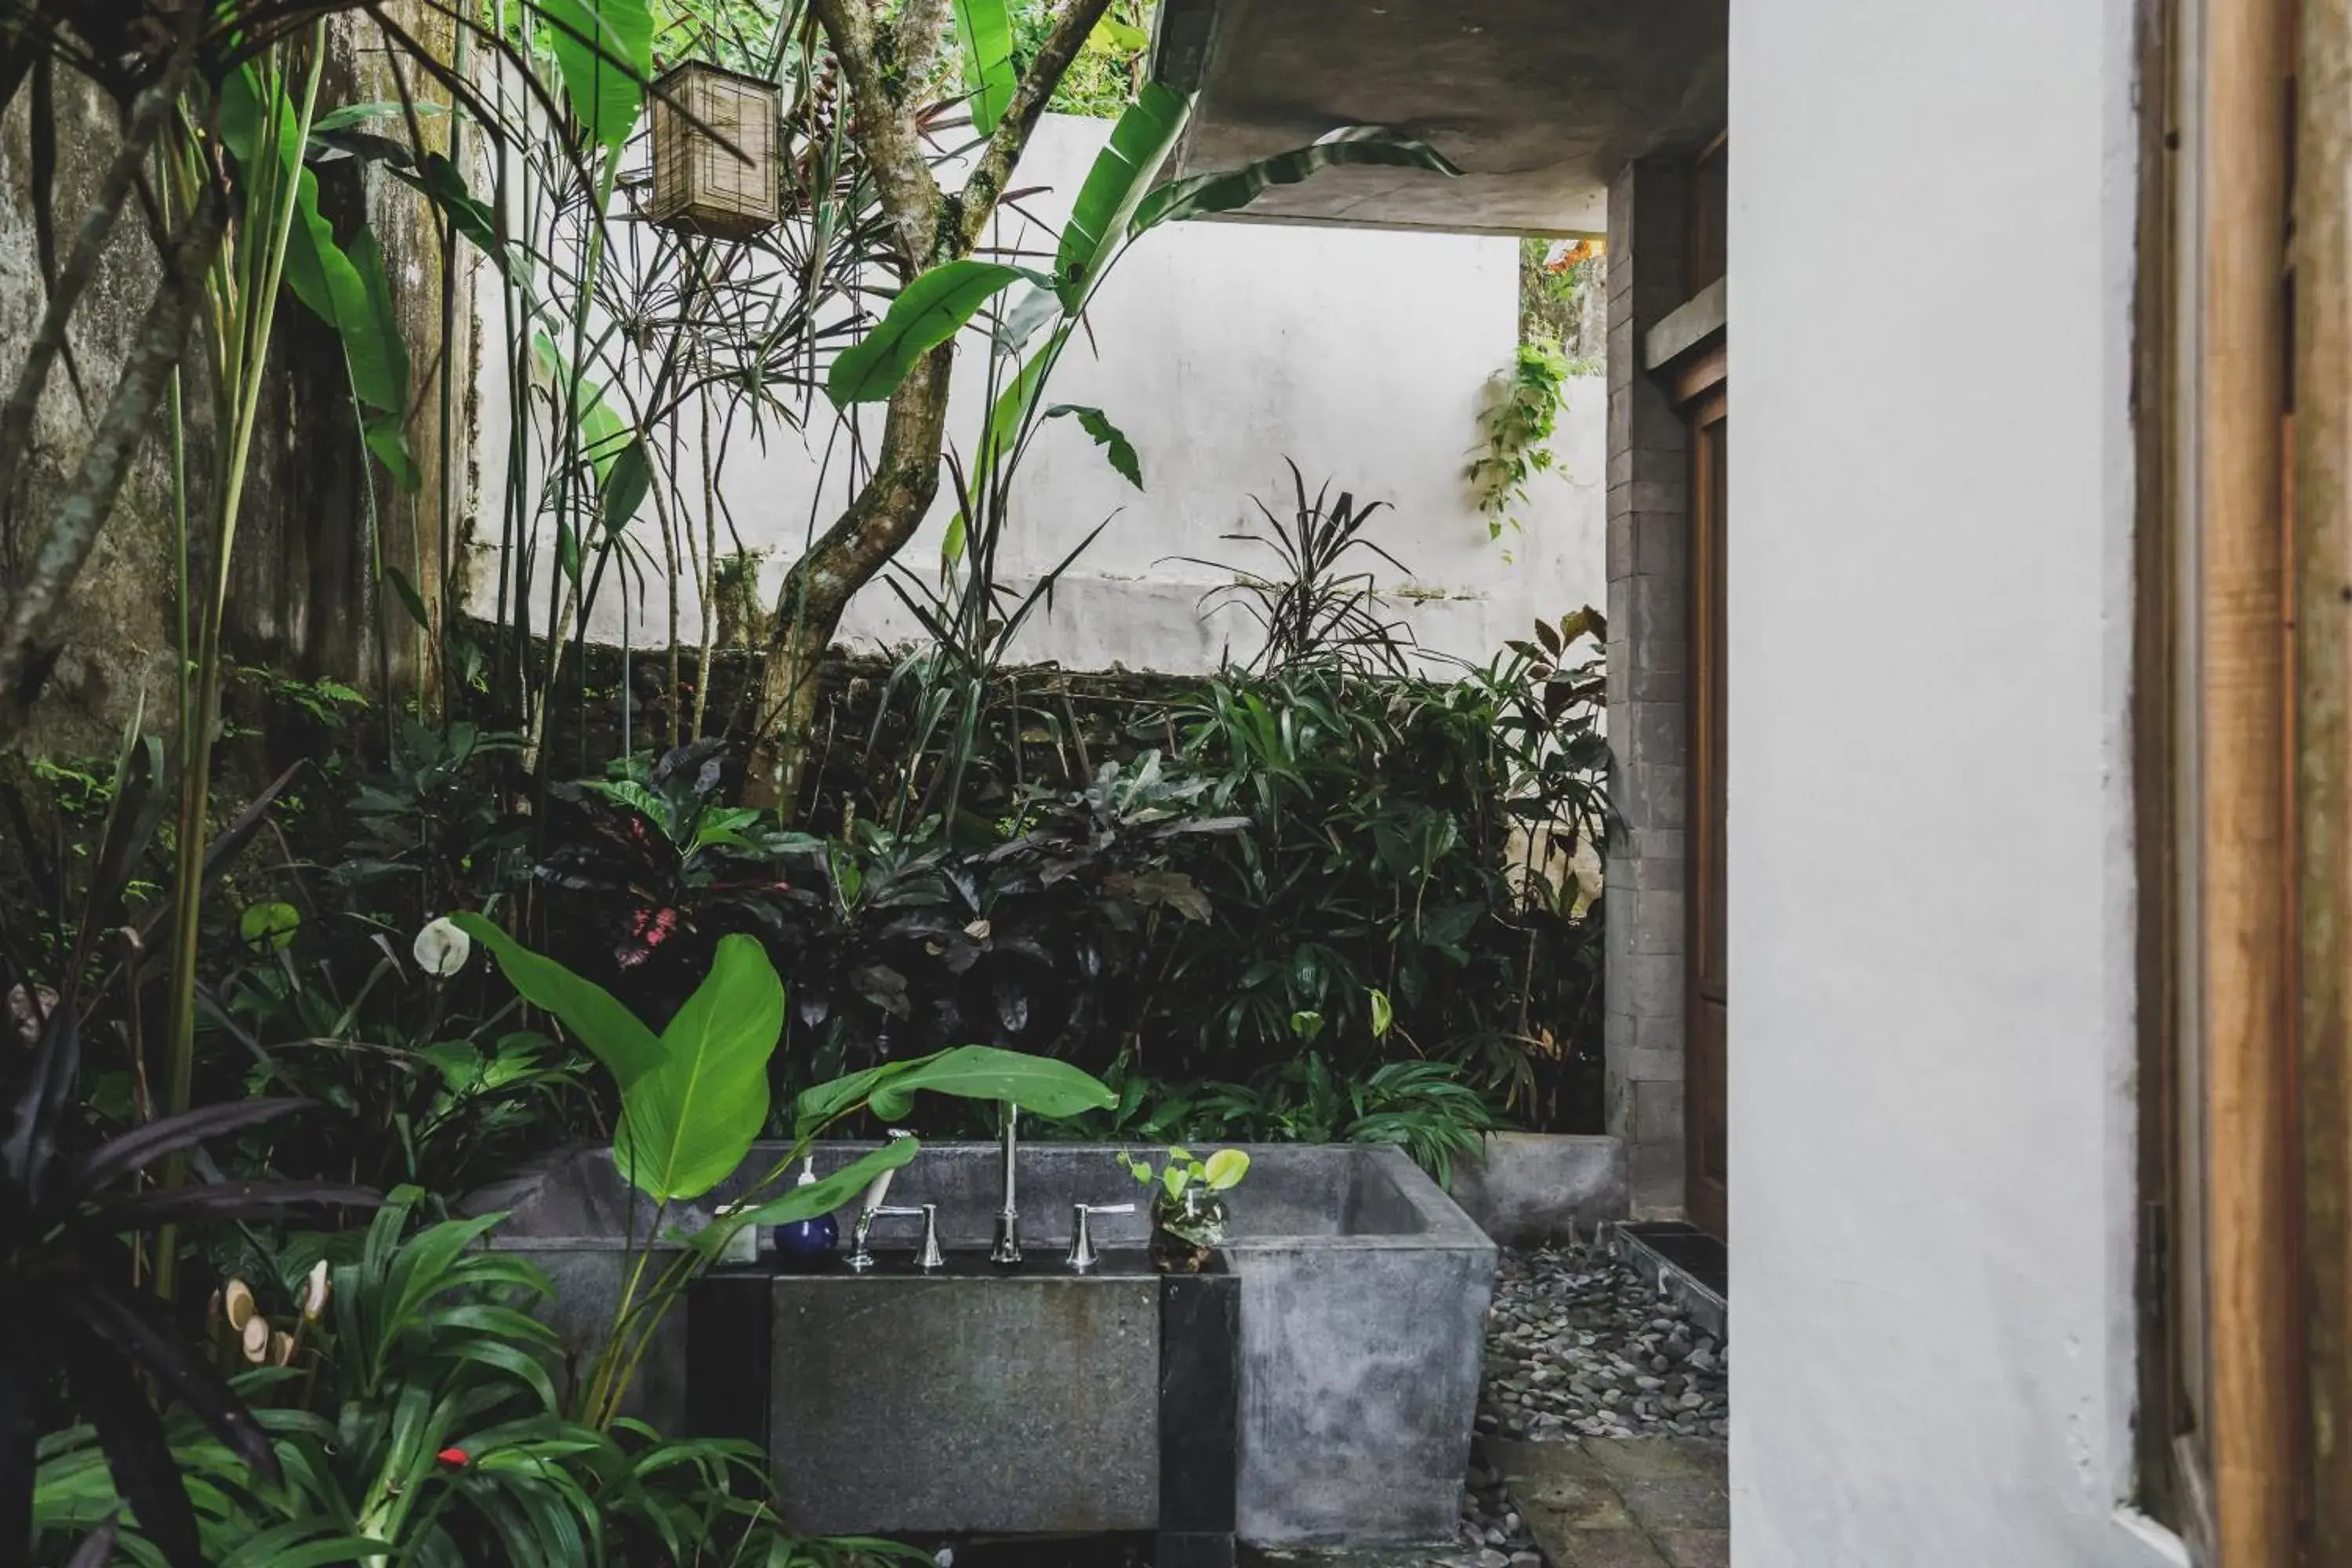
(303, 594)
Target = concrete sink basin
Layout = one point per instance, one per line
(1363, 1294)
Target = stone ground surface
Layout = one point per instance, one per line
(1601, 1430)
(1577, 1345)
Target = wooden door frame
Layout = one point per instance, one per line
(1700, 386)
(2245, 723)
(2321, 390)
(2226, 1397)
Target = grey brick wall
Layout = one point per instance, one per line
(1649, 689)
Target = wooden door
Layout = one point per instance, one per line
(1704, 1110)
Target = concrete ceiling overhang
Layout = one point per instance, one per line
(1539, 102)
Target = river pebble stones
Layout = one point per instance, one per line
(1579, 1345)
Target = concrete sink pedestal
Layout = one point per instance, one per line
(1363, 1296)
(976, 1401)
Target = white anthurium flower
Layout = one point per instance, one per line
(442, 949)
(315, 1290)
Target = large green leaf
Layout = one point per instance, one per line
(379, 331)
(1119, 449)
(822, 1103)
(604, 50)
(1121, 176)
(379, 358)
(1230, 189)
(625, 484)
(821, 1196)
(347, 290)
(610, 1032)
(927, 312)
(984, 1072)
(986, 34)
(440, 181)
(1013, 405)
(688, 1124)
(604, 437)
(1039, 1084)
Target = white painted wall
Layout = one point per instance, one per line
(1931, 898)
(1224, 348)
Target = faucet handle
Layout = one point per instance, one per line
(928, 1256)
(1083, 1256)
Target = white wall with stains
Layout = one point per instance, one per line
(1931, 905)
(1222, 349)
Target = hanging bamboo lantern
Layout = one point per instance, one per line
(714, 151)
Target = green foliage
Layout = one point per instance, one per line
(323, 702)
(1518, 427)
(1229, 189)
(1103, 79)
(416, 1419)
(1221, 1172)
(1116, 448)
(608, 1031)
(345, 287)
(928, 311)
(430, 828)
(605, 50)
(986, 36)
(1423, 1107)
(1378, 867)
(415, 1083)
(686, 1125)
(1310, 603)
(1121, 175)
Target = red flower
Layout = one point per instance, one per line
(451, 1457)
(648, 928)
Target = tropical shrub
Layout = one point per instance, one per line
(1159, 878)
(412, 1416)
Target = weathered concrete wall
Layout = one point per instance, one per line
(1931, 879)
(1531, 1189)
(301, 591)
(121, 630)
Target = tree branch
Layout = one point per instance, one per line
(884, 128)
(875, 524)
(922, 27)
(976, 203)
(885, 512)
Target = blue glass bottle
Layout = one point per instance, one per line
(807, 1239)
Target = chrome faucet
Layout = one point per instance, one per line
(1008, 1218)
(928, 1256)
(1083, 1256)
(870, 1207)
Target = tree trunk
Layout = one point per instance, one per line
(877, 523)
(930, 227)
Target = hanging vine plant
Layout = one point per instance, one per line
(1517, 428)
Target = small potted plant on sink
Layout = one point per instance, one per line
(1188, 1206)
